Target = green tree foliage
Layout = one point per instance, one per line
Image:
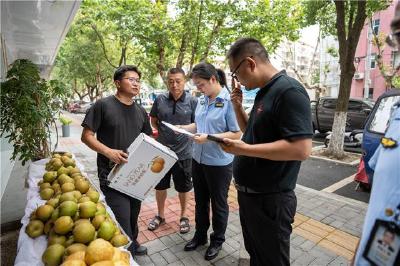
(159, 34)
(81, 63)
(29, 105)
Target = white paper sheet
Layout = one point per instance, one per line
(177, 129)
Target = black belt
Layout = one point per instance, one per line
(247, 189)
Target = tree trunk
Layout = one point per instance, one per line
(182, 50)
(335, 147)
(196, 43)
(185, 36)
(75, 89)
(347, 48)
(217, 26)
(122, 59)
(44, 151)
(161, 61)
(317, 94)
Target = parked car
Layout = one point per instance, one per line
(83, 108)
(323, 112)
(74, 105)
(376, 125)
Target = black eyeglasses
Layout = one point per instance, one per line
(393, 39)
(233, 74)
(133, 80)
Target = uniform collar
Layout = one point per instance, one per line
(223, 94)
(182, 98)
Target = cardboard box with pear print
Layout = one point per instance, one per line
(148, 162)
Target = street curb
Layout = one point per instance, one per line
(353, 163)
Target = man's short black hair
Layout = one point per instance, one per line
(176, 70)
(244, 47)
(120, 72)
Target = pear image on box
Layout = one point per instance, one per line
(157, 164)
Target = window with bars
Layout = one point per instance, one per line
(375, 26)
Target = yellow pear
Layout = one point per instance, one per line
(44, 212)
(84, 233)
(87, 209)
(67, 187)
(74, 263)
(93, 195)
(74, 248)
(34, 228)
(119, 240)
(99, 250)
(56, 239)
(104, 263)
(46, 193)
(52, 256)
(44, 185)
(82, 185)
(78, 255)
(63, 225)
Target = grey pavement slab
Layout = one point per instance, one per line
(334, 210)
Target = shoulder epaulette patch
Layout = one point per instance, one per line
(388, 142)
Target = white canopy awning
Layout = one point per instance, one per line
(35, 30)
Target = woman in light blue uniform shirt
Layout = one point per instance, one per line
(212, 167)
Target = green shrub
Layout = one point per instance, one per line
(65, 120)
(28, 110)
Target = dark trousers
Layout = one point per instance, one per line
(211, 183)
(126, 211)
(266, 224)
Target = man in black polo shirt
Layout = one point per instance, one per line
(176, 107)
(277, 136)
(109, 127)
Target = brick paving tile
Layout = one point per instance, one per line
(337, 249)
(320, 225)
(307, 234)
(313, 229)
(343, 239)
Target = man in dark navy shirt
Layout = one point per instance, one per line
(277, 137)
(176, 107)
(116, 121)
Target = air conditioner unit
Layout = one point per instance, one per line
(359, 75)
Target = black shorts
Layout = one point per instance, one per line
(182, 175)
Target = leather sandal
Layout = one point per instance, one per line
(155, 223)
(184, 225)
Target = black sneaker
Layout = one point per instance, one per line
(137, 250)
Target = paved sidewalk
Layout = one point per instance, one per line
(326, 228)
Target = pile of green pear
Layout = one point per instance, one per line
(72, 217)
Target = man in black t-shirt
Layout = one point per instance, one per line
(117, 120)
(277, 136)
